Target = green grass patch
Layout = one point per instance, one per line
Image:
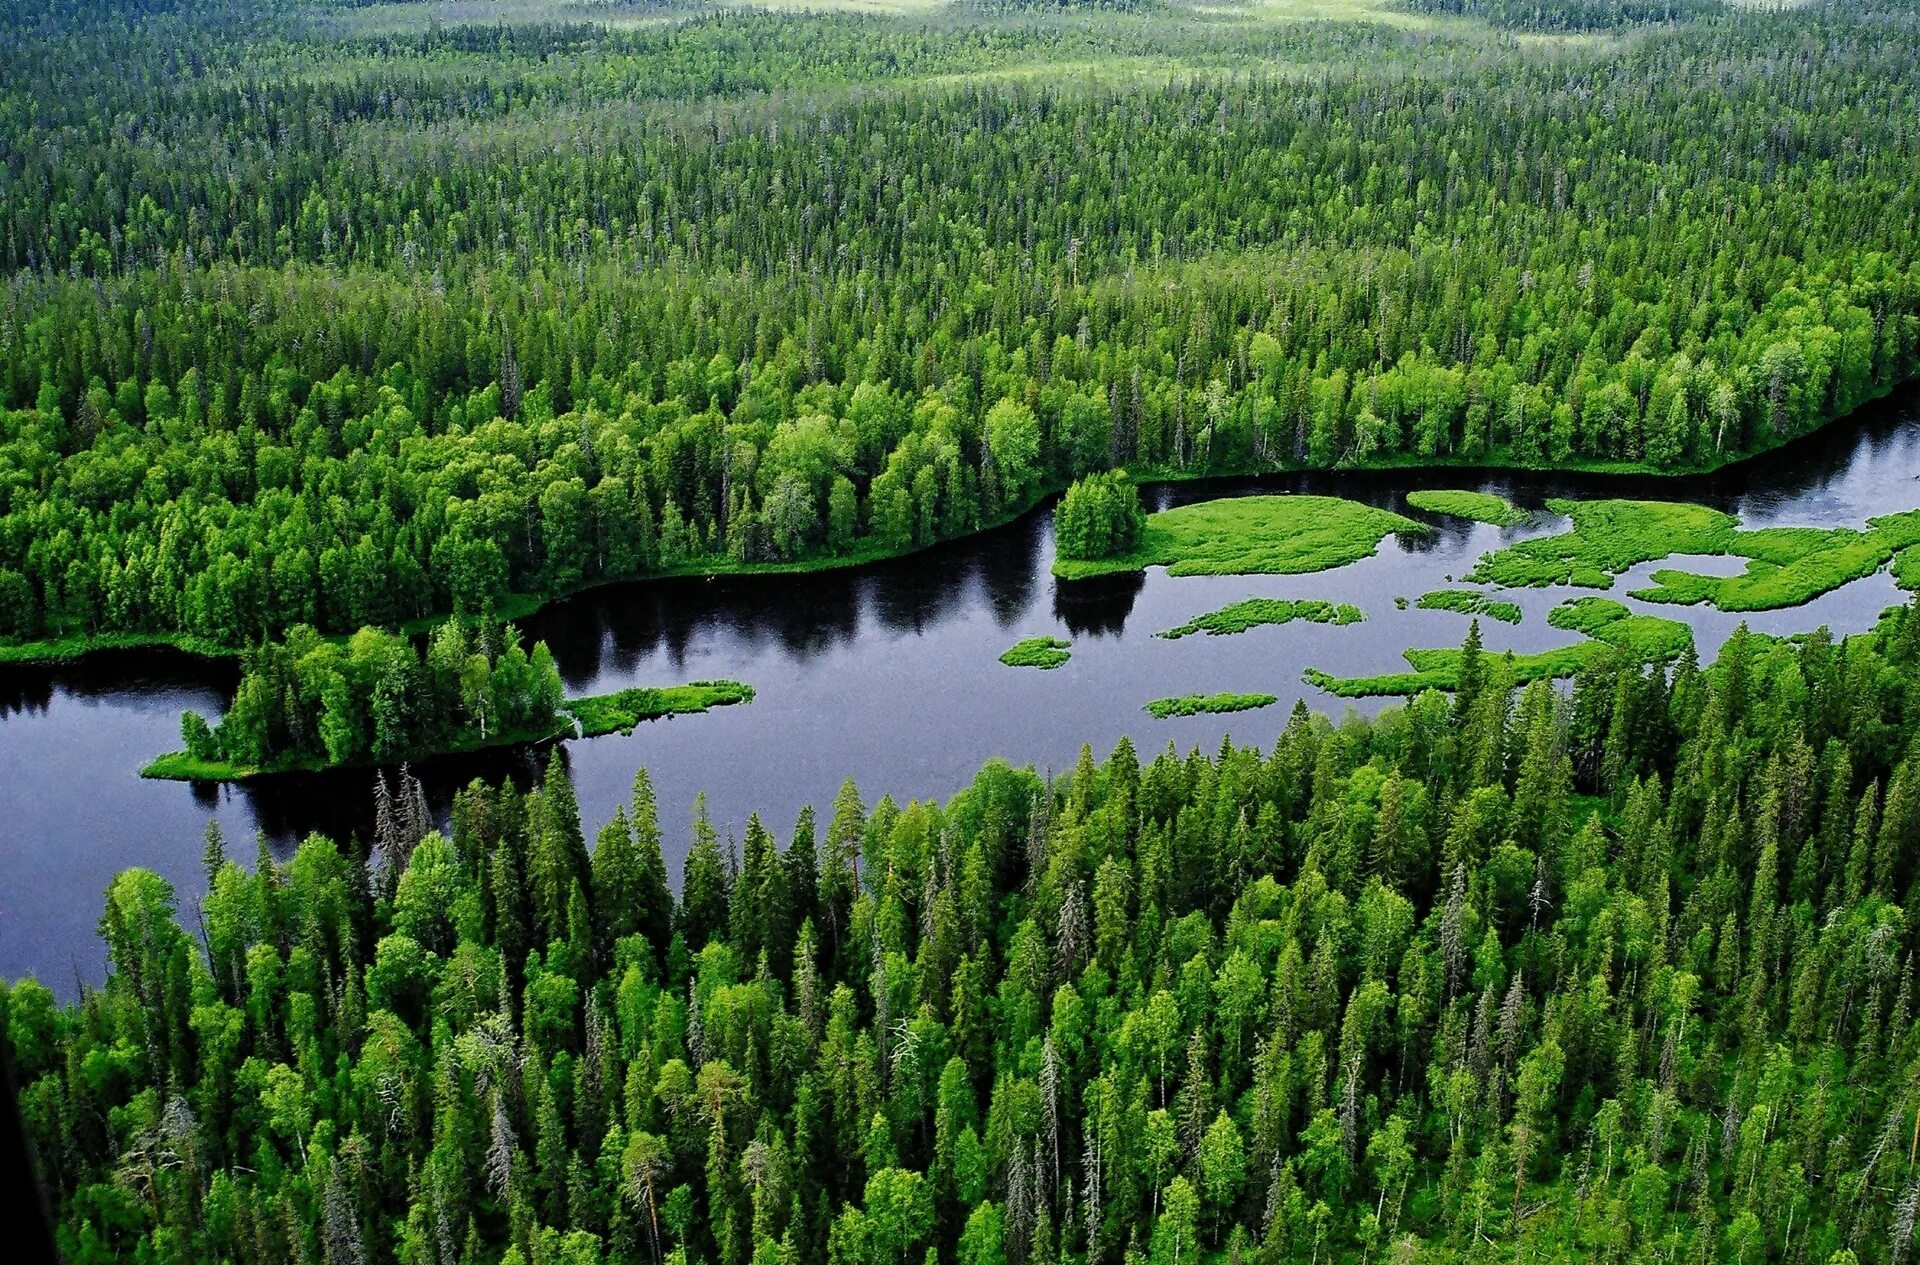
(1607, 538)
(1439, 669)
(1038, 652)
(76, 646)
(1786, 566)
(1790, 566)
(620, 712)
(1207, 704)
(1467, 602)
(1607, 624)
(1256, 612)
(1645, 637)
(1906, 567)
(1481, 507)
(1253, 535)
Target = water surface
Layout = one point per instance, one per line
(888, 674)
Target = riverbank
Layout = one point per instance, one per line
(69, 646)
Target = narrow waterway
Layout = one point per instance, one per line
(888, 674)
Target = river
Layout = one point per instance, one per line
(887, 673)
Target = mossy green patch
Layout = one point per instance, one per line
(1790, 566)
(1787, 566)
(1468, 602)
(1253, 535)
(1255, 612)
(1038, 652)
(1481, 507)
(620, 712)
(1646, 637)
(1204, 704)
(1609, 627)
(1607, 538)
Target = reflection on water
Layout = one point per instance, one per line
(888, 673)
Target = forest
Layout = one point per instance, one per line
(333, 338)
(1622, 973)
(361, 326)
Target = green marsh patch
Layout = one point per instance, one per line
(1207, 704)
(1256, 612)
(1253, 535)
(1786, 566)
(1608, 626)
(620, 712)
(1468, 602)
(1038, 652)
(1481, 507)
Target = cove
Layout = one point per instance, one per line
(889, 673)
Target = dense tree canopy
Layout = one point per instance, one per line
(377, 698)
(1621, 974)
(352, 329)
(1099, 517)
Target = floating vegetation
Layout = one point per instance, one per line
(619, 713)
(1481, 507)
(1205, 704)
(1610, 628)
(1253, 535)
(1256, 612)
(1037, 652)
(1787, 566)
(1468, 602)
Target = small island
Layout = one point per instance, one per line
(621, 712)
(1468, 602)
(311, 703)
(1246, 535)
(1205, 704)
(1258, 612)
(1481, 507)
(1044, 653)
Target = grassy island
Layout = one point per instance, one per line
(1252, 535)
(1468, 602)
(1481, 507)
(1609, 627)
(621, 712)
(1257, 612)
(1786, 566)
(1207, 704)
(1038, 652)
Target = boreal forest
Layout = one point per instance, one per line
(335, 337)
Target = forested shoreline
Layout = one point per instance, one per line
(1622, 973)
(474, 338)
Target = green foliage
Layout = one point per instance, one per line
(501, 312)
(1468, 602)
(1252, 535)
(1481, 507)
(1572, 15)
(1038, 652)
(620, 712)
(1608, 537)
(1791, 566)
(1205, 704)
(1182, 976)
(1255, 612)
(313, 703)
(1613, 630)
(1099, 517)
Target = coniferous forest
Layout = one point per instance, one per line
(334, 336)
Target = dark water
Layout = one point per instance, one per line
(888, 674)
